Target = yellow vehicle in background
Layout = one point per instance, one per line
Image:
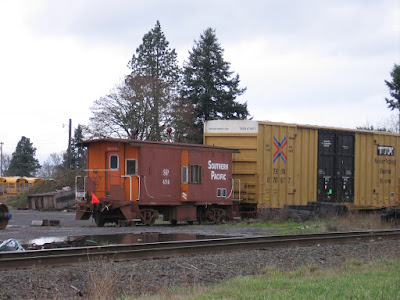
(11, 186)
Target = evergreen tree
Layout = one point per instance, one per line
(78, 154)
(394, 87)
(210, 85)
(157, 64)
(182, 122)
(23, 161)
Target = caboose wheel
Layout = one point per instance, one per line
(219, 215)
(149, 216)
(100, 222)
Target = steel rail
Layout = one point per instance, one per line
(66, 256)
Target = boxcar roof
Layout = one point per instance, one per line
(134, 142)
(329, 128)
(209, 132)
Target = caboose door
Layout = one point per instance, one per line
(131, 180)
(114, 191)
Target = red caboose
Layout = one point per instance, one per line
(138, 180)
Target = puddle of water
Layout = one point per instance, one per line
(115, 239)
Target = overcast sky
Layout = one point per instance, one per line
(310, 62)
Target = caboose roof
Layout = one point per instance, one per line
(134, 142)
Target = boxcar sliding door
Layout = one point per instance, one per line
(335, 166)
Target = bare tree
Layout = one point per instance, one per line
(51, 167)
(389, 124)
(142, 104)
(129, 107)
(6, 159)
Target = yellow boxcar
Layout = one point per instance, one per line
(282, 164)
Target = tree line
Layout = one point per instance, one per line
(23, 162)
(161, 101)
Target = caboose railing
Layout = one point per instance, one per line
(80, 193)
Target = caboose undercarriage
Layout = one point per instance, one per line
(123, 211)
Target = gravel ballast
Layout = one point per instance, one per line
(108, 280)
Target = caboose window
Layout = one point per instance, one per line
(130, 167)
(221, 192)
(185, 174)
(114, 162)
(195, 174)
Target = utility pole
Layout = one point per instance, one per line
(69, 146)
(1, 158)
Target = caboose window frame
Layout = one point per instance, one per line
(195, 174)
(130, 160)
(184, 174)
(111, 162)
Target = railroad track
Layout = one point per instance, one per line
(66, 256)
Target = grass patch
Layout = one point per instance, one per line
(354, 221)
(353, 280)
(358, 221)
(283, 227)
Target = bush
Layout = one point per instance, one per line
(65, 178)
(19, 201)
